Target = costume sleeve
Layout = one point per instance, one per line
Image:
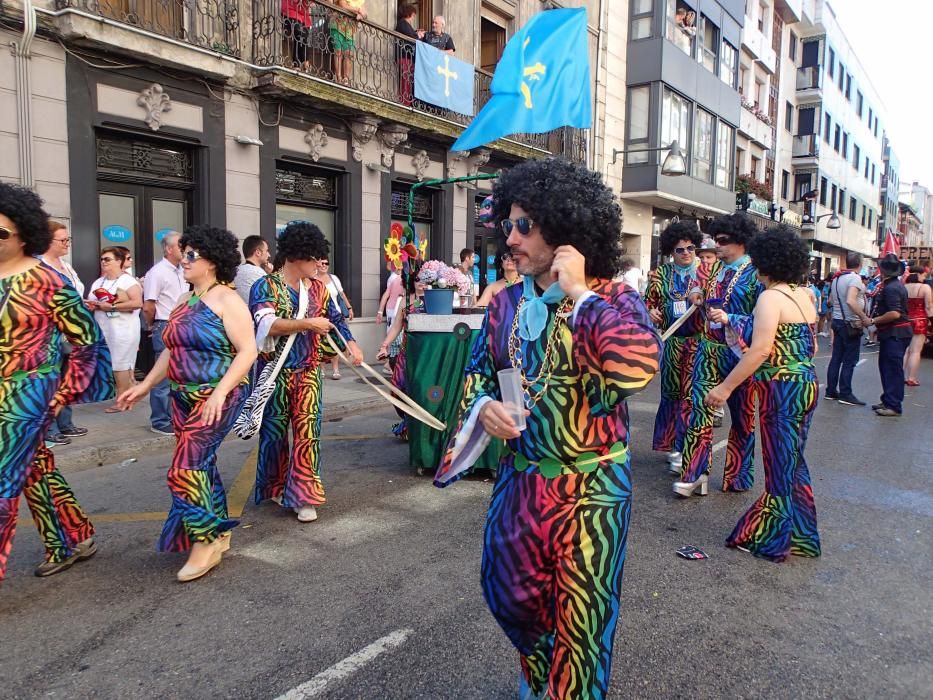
(469, 438)
(751, 290)
(88, 374)
(653, 296)
(262, 305)
(616, 347)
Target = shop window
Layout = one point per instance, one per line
(642, 16)
(681, 25)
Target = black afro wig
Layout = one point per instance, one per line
(780, 254)
(572, 206)
(301, 240)
(215, 245)
(24, 208)
(680, 231)
(739, 227)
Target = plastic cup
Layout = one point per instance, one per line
(714, 304)
(510, 384)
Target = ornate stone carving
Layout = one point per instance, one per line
(420, 162)
(390, 137)
(156, 102)
(454, 160)
(478, 159)
(316, 138)
(362, 130)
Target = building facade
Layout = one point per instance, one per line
(888, 192)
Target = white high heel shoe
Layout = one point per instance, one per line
(687, 488)
(190, 572)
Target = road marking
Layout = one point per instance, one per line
(243, 486)
(719, 445)
(347, 667)
(860, 362)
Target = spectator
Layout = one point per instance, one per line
(388, 308)
(342, 35)
(255, 255)
(296, 29)
(707, 251)
(438, 38)
(62, 428)
(116, 299)
(825, 320)
(405, 53)
(848, 312)
(632, 275)
(164, 284)
(508, 272)
(339, 299)
(467, 258)
(894, 334)
(919, 309)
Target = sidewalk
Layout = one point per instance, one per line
(114, 437)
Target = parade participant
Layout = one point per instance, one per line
(38, 308)
(555, 537)
(729, 299)
(291, 476)
(209, 349)
(782, 521)
(667, 299)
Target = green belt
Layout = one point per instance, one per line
(191, 388)
(584, 464)
(21, 374)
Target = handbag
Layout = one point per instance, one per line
(854, 329)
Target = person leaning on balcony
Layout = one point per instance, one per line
(342, 35)
(438, 38)
(296, 24)
(405, 52)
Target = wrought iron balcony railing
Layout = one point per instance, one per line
(211, 24)
(329, 43)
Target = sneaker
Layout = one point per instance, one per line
(50, 568)
(851, 400)
(74, 431)
(306, 514)
(831, 396)
(58, 439)
(85, 550)
(159, 431)
(335, 375)
(887, 412)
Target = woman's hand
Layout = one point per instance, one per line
(717, 396)
(128, 398)
(383, 353)
(212, 408)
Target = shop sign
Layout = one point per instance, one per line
(792, 218)
(760, 206)
(117, 234)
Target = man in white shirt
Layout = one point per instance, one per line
(255, 255)
(632, 275)
(164, 284)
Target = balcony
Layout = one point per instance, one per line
(296, 34)
(208, 24)
(809, 80)
(757, 125)
(806, 149)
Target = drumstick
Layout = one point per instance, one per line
(679, 322)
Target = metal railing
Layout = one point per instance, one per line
(809, 78)
(211, 24)
(329, 43)
(806, 146)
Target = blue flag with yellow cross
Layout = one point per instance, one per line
(542, 81)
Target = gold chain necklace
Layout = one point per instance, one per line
(516, 357)
(735, 278)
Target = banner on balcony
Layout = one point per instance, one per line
(443, 80)
(542, 81)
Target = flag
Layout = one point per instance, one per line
(542, 81)
(443, 80)
(891, 244)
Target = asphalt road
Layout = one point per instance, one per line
(394, 559)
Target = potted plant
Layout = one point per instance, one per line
(440, 282)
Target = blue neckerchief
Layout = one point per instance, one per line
(734, 266)
(684, 271)
(532, 316)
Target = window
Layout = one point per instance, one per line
(762, 17)
(789, 117)
(848, 87)
(792, 47)
(743, 78)
(725, 146)
(856, 157)
(642, 12)
(871, 117)
(805, 120)
(802, 185)
(755, 170)
(638, 110)
(823, 188)
(827, 126)
(876, 127)
(681, 25)
(727, 64)
(709, 45)
(870, 212)
(702, 167)
(492, 38)
(845, 146)
(842, 201)
(842, 77)
(675, 121)
(864, 210)
(832, 201)
(303, 195)
(785, 183)
(873, 173)
(859, 103)
(866, 167)
(853, 207)
(837, 138)
(831, 64)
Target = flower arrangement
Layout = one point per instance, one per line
(437, 275)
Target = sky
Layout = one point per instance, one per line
(894, 45)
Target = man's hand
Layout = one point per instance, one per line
(570, 268)
(318, 325)
(718, 316)
(696, 299)
(497, 422)
(656, 316)
(356, 355)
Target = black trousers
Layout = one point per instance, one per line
(891, 367)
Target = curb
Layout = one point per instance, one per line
(82, 458)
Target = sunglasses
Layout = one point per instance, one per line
(688, 249)
(5, 233)
(191, 256)
(323, 262)
(723, 240)
(522, 223)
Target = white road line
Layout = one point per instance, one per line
(719, 445)
(347, 667)
(859, 363)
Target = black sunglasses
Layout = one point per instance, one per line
(522, 223)
(688, 249)
(5, 233)
(723, 240)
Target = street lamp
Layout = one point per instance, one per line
(833, 222)
(675, 162)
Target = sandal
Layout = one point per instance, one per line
(335, 375)
(911, 382)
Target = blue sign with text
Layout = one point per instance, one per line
(162, 233)
(117, 234)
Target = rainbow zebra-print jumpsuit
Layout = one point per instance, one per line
(201, 353)
(293, 475)
(783, 519)
(554, 545)
(668, 288)
(737, 284)
(38, 308)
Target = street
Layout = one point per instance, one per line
(394, 560)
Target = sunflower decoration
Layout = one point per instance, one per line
(393, 251)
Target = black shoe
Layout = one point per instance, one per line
(851, 400)
(74, 432)
(831, 397)
(870, 343)
(58, 439)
